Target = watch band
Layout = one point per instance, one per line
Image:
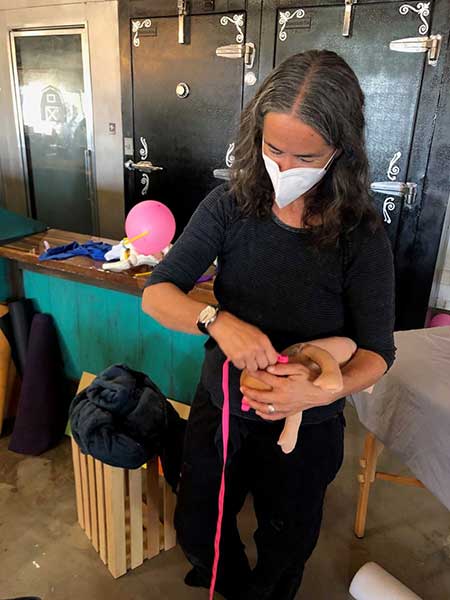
(203, 325)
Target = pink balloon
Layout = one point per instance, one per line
(155, 218)
(440, 320)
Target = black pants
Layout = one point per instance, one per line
(288, 492)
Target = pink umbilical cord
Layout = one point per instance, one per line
(225, 435)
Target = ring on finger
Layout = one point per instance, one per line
(271, 409)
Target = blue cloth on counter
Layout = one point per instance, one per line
(95, 250)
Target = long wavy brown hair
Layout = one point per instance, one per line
(332, 103)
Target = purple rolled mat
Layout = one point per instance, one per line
(42, 411)
(22, 313)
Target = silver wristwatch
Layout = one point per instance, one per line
(206, 317)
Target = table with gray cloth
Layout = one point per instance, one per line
(409, 409)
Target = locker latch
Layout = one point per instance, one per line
(145, 166)
(348, 17)
(431, 44)
(246, 51)
(222, 174)
(183, 11)
(396, 188)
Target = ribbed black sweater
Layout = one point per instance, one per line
(270, 275)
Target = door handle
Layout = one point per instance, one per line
(144, 166)
(89, 175)
(407, 190)
(431, 45)
(222, 174)
(246, 51)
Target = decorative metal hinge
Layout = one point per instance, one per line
(422, 9)
(393, 169)
(431, 44)
(407, 190)
(229, 158)
(238, 20)
(246, 51)
(137, 26)
(285, 17)
(349, 4)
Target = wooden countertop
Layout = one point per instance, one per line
(26, 251)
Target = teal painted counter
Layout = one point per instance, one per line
(98, 314)
(5, 287)
(99, 327)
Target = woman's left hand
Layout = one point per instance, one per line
(292, 392)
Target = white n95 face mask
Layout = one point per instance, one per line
(293, 183)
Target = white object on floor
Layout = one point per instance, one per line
(372, 582)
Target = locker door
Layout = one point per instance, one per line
(186, 104)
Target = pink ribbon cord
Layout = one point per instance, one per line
(225, 435)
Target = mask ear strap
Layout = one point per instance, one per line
(330, 160)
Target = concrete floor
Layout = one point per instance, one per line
(44, 552)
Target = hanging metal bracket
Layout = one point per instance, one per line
(246, 51)
(407, 190)
(183, 11)
(349, 4)
(431, 44)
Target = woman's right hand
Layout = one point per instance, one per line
(245, 345)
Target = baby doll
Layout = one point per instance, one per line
(324, 358)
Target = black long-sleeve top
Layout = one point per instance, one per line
(271, 275)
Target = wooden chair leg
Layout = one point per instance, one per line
(368, 463)
(5, 361)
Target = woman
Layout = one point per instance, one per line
(301, 255)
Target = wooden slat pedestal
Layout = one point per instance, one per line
(126, 513)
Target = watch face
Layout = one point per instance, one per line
(207, 313)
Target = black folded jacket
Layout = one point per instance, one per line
(124, 420)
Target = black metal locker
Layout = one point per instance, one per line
(397, 49)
